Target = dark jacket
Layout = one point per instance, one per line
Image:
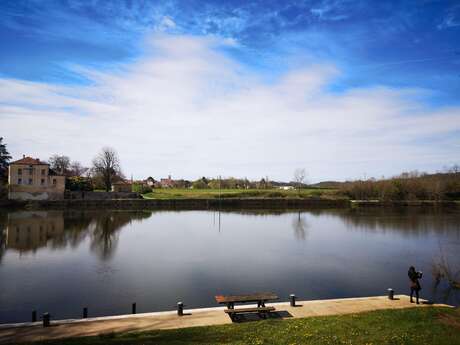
(413, 276)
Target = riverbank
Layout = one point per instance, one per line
(215, 204)
(367, 320)
(182, 204)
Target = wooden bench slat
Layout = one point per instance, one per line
(249, 310)
(261, 296)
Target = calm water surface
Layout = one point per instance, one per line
(62, 261)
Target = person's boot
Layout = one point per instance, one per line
(411, 300)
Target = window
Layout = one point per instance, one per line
(43, 172)
(54, 181)
(42, 182)
(30, 181)
(19, 180)
(19, 171)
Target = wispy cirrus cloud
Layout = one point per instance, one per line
(186, 102)
(451, 19)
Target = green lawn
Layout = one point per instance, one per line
(417, 326)
(175, 193)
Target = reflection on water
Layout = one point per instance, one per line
(3, 217)
(28, 231)
(108, 259)
(300, 226)
(406, 221)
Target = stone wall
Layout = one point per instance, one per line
(80, 195)
(205, 204)
(186, 204)
(37, 195)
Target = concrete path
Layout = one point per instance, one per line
(26, 332)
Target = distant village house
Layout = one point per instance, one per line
(31, 179)
(122, 186)
(167, 182)
(150, 181)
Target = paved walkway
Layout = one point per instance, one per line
(197, 317)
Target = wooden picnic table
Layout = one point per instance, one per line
(259, 298)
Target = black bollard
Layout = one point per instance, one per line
(391, 294)
(180, 308)
(85, 312)
(134, 308)
(46, 319)
(34, 315)
(292, 299)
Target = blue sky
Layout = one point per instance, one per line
(407, 51)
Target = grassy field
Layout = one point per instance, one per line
(417, 326)
(174, 193)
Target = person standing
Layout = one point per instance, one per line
(415, 287)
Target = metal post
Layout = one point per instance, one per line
(34, 315)
(292, 299)
(134, 308)
(85, 312)
(46, 319)
(391, 294)
(180, 308)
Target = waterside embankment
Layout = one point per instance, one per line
(29, 332)
(211, 204)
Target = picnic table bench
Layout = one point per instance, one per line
(259, 298)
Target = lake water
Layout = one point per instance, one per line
(62, 261)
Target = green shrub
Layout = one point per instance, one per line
(141, 188)
(78, 183)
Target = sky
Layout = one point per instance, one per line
(345, 89)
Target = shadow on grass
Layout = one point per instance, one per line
(251, 317)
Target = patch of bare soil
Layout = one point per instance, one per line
(451, 319)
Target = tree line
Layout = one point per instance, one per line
(105, 170)
(413, 185)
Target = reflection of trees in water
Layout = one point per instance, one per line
(105, 232)
(104, 229)
(104, 236)
(72, 227)
(3, 217)
(410, 220)
(446, 274)
(300, 226)
(444, 291)
(76, 227)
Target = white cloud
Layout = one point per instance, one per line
(187, 109)
(166, 23)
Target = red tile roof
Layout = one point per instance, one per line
(29, 161)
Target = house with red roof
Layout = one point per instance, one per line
(31, 179)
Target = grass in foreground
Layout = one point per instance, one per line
(388, 327)
(176, 193)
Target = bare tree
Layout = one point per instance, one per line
(299, 177)
(77, 169)
(107, 165)
(60, 164)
